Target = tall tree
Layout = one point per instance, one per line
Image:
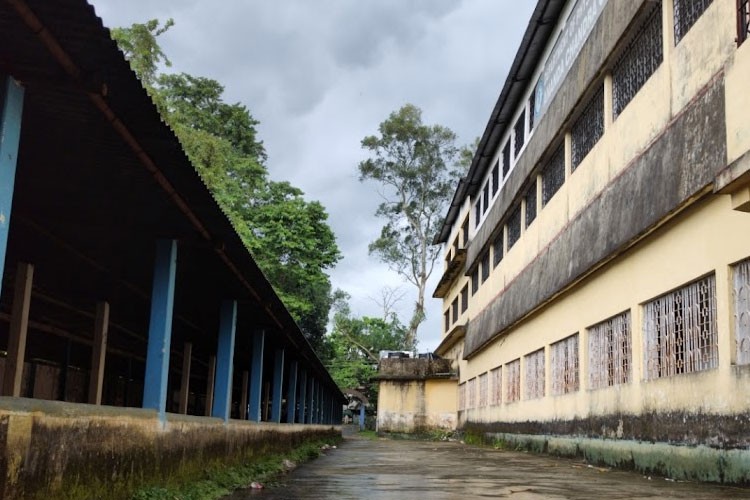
(415, 165)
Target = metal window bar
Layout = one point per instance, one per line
(506, 159)
(534, 380)
(497, 249)
(588, 129)
(680, 331)
(686, 12)
(741, 275)
(564, 361)
(462, 397)
(496, 396)
(553, 175)
(471, 394)
(532, 106)
(513, 375)
(743, 20)
(514, 227)
(639, 61)
(485, 266)
(519, 134)
(483, 389)
(464, 298)
(610, 352)
(530, 200)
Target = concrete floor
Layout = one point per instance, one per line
(390, 469)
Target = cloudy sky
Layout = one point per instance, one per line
(320, 75)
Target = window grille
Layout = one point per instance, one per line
(475, 280)
(530, 199)
(462, 396)
(485, 266)
(680, 330)
(483, 389)
(519, 134)
(588, 129)
(564, 360)
(741, 274)
(486, 197)
(553, 175)
(506, 159)
(534, 381)
(686, 12)
(454, 308)
(471, 394)
(639, 61)
(610, 354)
(495, 177)
(513, 387)
(743, 20)
(532, 110)
(496, 396)
(514, 227)
(464, 298)
(497, 249)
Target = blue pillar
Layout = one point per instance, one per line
(160, 326)
(310, 416)
(278, 386)
(224, 360)
(291, 396)
(302, 396)
(361, 416)
(11, 109)
(256, 376)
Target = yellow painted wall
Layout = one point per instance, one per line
(416, 405)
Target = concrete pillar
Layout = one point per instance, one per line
(187, 353)
(11, 110)
(256, 376)
(160, 326)
(291, 396)
(19, 327)
(224, 360)
(243, 394)
(310, 401)
(99, 353)
(278, 386)
(302, 396)
(210, 378)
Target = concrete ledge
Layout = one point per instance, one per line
(699, 463)
(51, 449)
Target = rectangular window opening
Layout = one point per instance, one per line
(486, 197)
(610, 353)
(483, 389)
(534, 380)
(497, 249)
(743, 21)
(464, 298)
(532, 108)
(553, 175)
(506, 160)
(513, 384)
(741, 293)
(530, 200)
(485, 267)
(496, 396)
(475, 280)
(514, 227)
(495, 177)
(686, 13)
(471, 394)
(519, 134)
(588, 129)
(454, 309)
(564, 361)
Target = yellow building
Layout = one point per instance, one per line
(597, 282)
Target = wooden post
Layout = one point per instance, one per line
(19, 326)
(210, 384)
(185, 384)
(99, 353)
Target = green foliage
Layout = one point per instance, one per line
(288, 236)
(415, 164)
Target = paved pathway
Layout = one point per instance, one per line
(390, 469)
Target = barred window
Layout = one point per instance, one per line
(506, 159)
(462, 396)
(496, 396)
(743, 20)
(553, 175)
(741, 274)
(454, 308)
(475, 280)
(610, 354)
(519, 134)
(530, 199)
(495, 177)
(513, 384)
(471, 394)
(564, 360)
(532, 108)
(486, 197)
(680, 330)
(464, 298)
(588, 129)
(686, 12)
(514, 226)
(639, 61)
(534, 381)
(485, 266)
(497, 249)
(483, 389)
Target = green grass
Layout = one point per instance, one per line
(367, 434)
(223, 480)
